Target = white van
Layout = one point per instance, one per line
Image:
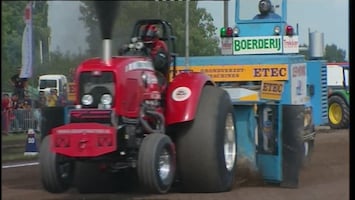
(53, 81)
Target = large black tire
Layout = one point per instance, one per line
(156, 163)
(204, 163)
(293, 131)
(56, 171)
(91, 178)
(338, 113)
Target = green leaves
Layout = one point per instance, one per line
(201, 28)
(333, 54)
(13, 25)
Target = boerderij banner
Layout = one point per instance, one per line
(27, 44)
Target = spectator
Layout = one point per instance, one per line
(38, 104)
(15, 105)
(52, 98)
(42, 100)
(5, 108)
(28, 114)
(19, 84)
(62, 99)
(27, 102)
(5, 102)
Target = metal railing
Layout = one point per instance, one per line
(19, 120)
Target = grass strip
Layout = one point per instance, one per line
(13, 147)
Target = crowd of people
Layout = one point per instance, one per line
(14, 109)
(18, 106)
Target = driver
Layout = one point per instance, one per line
(266, 10)
(157, 49)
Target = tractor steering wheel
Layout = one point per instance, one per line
(135, 48)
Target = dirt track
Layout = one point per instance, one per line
(327, 177)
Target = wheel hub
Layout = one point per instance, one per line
(306, 148)
(164, 164)
(335, 113)
(229, 143)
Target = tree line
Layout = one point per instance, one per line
(203, 40)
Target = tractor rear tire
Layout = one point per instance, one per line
(338, 113)
(56, 171)
(207, 146)
(156, 163)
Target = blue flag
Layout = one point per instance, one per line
(27, 46)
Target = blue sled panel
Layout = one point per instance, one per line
(270, 162)
(246, 124)
(270, 167)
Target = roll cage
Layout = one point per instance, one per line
(165, 34)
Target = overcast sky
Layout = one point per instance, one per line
(330, 17)
(67, 32)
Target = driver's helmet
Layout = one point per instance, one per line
(265, 7)
(150, 34)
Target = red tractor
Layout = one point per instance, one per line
(128, 123)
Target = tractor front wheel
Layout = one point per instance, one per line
(338, 113)
(156, 163)
(56, 171)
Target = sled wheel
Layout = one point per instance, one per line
(207, 147)
(338, 113)
(56, 171)
(156, 163)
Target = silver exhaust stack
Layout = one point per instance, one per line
(106, 51)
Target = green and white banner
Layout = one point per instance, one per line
(265, 45)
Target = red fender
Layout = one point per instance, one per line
(183, 95)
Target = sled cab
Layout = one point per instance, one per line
(338, 74)
(256, 33)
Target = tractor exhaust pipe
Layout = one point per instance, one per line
(106, 12)
(106, 51)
